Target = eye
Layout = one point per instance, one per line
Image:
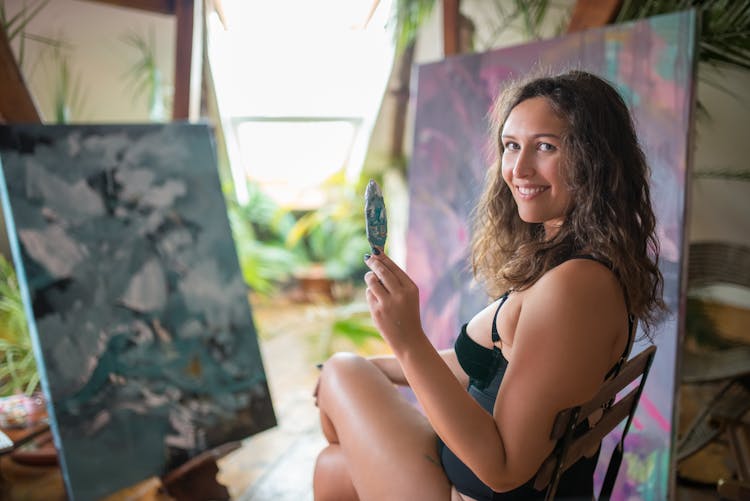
(547, 147)
(511, 146)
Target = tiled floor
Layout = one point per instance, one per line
(278, 464)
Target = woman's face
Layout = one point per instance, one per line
(531, 156)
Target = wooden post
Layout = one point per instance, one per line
(16, 103)
(451, 16)
(188, 70)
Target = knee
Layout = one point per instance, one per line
(342, 365)
(344, 360)
(338, 371)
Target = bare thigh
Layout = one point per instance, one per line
(389, 446)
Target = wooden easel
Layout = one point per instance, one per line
(196, 479)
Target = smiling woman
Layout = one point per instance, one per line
(564, 239)
(530, 145)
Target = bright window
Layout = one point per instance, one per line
(313, 149)
(299, 84)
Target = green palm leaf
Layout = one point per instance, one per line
(725, 26)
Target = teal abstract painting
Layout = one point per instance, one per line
(137, 308)
(652, 64)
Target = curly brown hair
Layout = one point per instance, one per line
(610, 216)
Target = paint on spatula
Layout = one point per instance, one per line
(377, 225)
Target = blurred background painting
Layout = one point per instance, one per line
(138, 312)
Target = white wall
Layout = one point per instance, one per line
(720, 208)
(97, 54)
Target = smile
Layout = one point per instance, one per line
(529, 192)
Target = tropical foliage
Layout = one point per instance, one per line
(525, 16)
(408, 16)
(260, 228)
(68, 94)
(334, 234)
(144, 74)
(15, 25)
(18, 372)
(724, 31)
(353, 323)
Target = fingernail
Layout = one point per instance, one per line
(367, 256)
(376, 251)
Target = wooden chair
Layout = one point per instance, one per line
(571, 448)
(721, 417)
(738, 434)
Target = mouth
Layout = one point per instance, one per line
(529, 192)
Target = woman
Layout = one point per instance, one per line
(564, 235)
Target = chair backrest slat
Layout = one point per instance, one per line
(570, 448)
(629, 373)
(611, 418)
(585, 442)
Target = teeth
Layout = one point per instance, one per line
(530, 191)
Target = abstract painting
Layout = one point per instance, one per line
(651, 63)
(139, 315)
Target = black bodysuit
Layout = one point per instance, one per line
(486, 368)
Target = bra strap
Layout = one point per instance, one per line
(626, 352)
(495, 333)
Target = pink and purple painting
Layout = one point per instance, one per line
(651, 63)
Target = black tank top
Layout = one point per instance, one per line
(486, 368)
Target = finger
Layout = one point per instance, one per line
(397, 271)
(374, 285)
(385, 275)
(372, 300)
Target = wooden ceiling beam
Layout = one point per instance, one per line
(593, 14)
(157, 6)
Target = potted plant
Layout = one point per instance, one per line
(20, 405)
(18, 373)
(260, 227)
(333, 237)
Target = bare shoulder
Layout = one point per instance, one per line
(577, 312)
(581, 283)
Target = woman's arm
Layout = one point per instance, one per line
(563, 344)
(391, 367)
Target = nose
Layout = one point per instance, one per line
(524, 166)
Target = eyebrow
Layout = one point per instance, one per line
(542, 134)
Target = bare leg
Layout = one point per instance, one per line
(387, 448)
(331, 481)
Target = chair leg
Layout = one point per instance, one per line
(739, 443)
(733, 490)
(738, 435)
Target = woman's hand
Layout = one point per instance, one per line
(393, 299)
